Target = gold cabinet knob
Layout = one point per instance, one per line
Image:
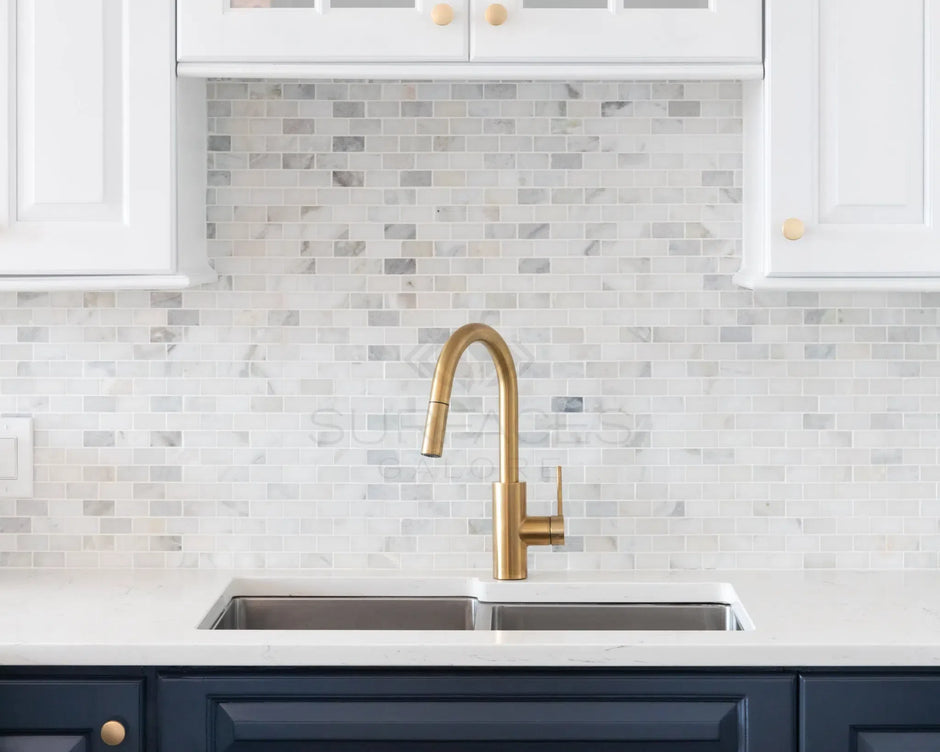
(496, 14)
(793, 229)
(442, 14)
(113, 733)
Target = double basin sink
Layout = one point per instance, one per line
(465, 613)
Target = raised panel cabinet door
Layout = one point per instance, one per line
(624, 31)
(45, 715)
(849, 173)
(86, 137)
(360, 31)
(869, 713)
(477, 713)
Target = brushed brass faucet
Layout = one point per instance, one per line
(513, 530)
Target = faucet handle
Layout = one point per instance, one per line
(556, 523)
(537, 531)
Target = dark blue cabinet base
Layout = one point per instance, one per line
(466, 710)
(477, 713)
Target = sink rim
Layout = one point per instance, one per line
(484, 612)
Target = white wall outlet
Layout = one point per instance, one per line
(16, 458)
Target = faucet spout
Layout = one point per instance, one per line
(443, 383)
(513, 530)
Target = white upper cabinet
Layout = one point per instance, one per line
(625, 31)
(290, 31)
(233, 37)
(842, 154)
(88, 142)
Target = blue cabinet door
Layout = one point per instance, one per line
(476, 713)
(39, 715)
(869, 713)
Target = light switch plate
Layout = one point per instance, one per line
(9, 464)
(16, 458)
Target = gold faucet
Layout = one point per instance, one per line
(513, 530)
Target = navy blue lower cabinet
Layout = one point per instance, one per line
(476, 713)
(869, 713)
(68, 716)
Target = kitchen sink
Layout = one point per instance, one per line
(615, 616)
(466, 613)
(347, 613)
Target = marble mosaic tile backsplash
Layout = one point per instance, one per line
(274, 419)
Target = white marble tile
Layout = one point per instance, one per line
(273, 419)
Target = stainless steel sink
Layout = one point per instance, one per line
(347, 613)
(615, 616)
(465, 613)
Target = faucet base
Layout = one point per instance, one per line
(514, 532)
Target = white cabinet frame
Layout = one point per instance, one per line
(679, 39)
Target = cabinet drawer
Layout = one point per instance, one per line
(474, 713)
(870, 713)
(68, 716)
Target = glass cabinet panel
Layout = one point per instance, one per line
(272, 3)
(604, 4)
(575, 4)
(667, 4)
(372, 4)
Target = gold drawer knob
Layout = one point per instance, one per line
(496, 14)
(442, 14)
(113, 733)
(793, 229)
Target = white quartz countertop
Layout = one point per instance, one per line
(152, 618)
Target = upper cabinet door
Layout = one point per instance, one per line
(86, 137)
(844, 147)
(298, 31)
(625, 31)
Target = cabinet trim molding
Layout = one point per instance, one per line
(107, 282)
(478, 71)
